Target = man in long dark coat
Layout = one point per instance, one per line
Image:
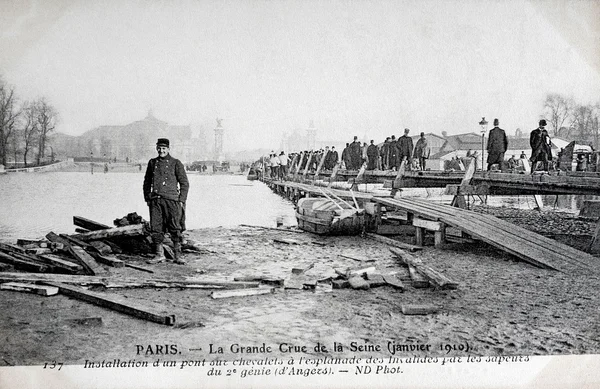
(393, 153)
(541, 151)
(372, 155)
(355, 154)
(333, 157)
(496, 146)
(385, 154)
(346, 157)
(405, 148)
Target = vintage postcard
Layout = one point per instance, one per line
(339, 194)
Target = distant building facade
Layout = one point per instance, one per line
(134, 142)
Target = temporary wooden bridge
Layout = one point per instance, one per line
(435, 217)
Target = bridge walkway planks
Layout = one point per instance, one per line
(527, 245)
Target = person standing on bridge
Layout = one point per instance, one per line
(422, 151)
(496, 146)
(372, 156)
(405, 149)
(541, 151)
(165, 189)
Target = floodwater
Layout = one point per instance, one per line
(33, 204)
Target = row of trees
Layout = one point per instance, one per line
(25, 126)
(573, 121)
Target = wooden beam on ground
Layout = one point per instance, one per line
(393, 281)
(52, 237)
(392, 242)
(87, 261)
(114, 303)
(132, 230)
(77, 242)
(89, 224)
(241, 292)
(57, 261)
(23, 264)
(109, 260)
(42, 290)
(136, 267)
(419, 309)
(434, 276)
(11, 248)
(64, 278)
(418, 280)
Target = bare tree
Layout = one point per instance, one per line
(46, 121)
(558, 109)
(29, 129)
(583, 121)
(8, 117)
(14, 141)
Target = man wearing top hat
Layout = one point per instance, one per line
(165, 191)
(496, 146)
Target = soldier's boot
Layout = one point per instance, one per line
(178, 255)
(159, 255)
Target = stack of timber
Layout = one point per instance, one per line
(524, 244)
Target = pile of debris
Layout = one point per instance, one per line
(83, 252)
(84, 259)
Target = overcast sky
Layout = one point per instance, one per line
(269, 67)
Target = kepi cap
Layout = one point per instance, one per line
(162, 142)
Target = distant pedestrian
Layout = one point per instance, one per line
(405, 148)
(355, 154)
(333, 157)
(422, 151)
(165, 189)
(283, 165)
(346, 157)
(393, 153)
(372, 156)
(496, 146)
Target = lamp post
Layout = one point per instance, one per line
(483, 123)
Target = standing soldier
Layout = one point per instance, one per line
(165, 191)
(283, 165)
(346, 157)
(405, 148)
(422, 151)
(333, 157)
(496, 146)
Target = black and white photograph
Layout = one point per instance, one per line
(288, 193)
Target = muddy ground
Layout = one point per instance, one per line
(502, 306)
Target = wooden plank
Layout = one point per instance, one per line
(394, 281)
(392, 242)
(64, 278)
(57, 261)
(218, 294)
(109, 260)
(419, 309)
(89, 224)
(52, 237)
(434, 276)
(77, 242)
(417, 279)
(360, 271)
(114, 303)
(21, 264)
(356, 259)
(42, 290)
(428, 224)
(136, 267)
(87, 261)
(132, 230)
(11, 248)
